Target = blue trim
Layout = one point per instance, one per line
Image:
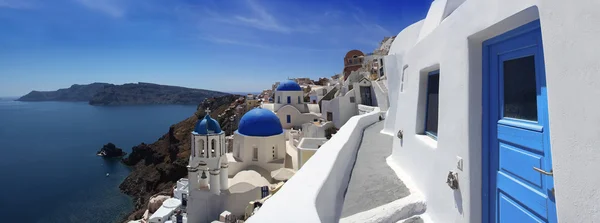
(523, 43)
(431, 134)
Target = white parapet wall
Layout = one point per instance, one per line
(364, 109)
(316, 192)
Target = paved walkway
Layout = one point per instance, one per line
(372, 183)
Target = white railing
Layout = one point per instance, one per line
(316, 192)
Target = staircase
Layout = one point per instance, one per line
(330, 95)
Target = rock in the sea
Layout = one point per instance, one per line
(110, 150)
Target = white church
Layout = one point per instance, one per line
(218, 180)
(290, 107)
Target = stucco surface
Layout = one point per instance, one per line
(372, 183)
(315, 193)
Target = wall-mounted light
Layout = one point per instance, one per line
(400, 134)
(452, 180)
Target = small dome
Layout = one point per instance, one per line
(289, 85)
(260, 122)
(207, 125)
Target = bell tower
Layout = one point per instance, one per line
(207, 168)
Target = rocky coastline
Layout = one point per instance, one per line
(156, 167)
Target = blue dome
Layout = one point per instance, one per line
(207, 125)
(289, 86)
(260, 122)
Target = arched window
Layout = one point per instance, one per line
(193, 147)
(213, 147)
(202, 148)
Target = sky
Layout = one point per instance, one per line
(224, 45)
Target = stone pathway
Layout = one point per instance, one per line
(373, 183)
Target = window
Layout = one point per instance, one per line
(254, 153)
(520, 96)
(352, 99)
(289, 118)
(213, 146)
(431, 112)
(402, 77)
(350, 87)
(193, 147)
(202, 148)
(289, 99)
(329, 116)
(349, 61)
(274, 153)
(299, 100)
(279, 99)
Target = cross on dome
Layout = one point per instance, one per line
(207, 110)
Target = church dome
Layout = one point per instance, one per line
(260, 122)
(289, 85)
(207, 125)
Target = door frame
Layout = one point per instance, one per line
(488, 177)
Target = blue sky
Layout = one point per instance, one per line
(225, 45)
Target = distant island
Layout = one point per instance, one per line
(126, 94)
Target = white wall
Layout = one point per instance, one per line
(293, 96)
(297, 118)
(380, 96)
(265, 150)
(569, 33)
(393, 70)
(315, 131)
(315, 193)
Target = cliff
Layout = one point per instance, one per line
(157, 166)
(126, 94)
(74, 93)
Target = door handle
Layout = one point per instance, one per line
(551, 173)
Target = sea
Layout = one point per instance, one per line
(49, 170)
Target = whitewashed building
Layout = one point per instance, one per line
(495, 97)
(290, 107)
(356, 90)
(218, 180)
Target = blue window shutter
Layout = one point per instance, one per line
(289, 119)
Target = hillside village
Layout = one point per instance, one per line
(289, 121)
(484, 121)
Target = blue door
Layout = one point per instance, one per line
(518, 182)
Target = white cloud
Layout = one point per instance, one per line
(111, 8)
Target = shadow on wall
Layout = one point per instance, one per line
(458, 200)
